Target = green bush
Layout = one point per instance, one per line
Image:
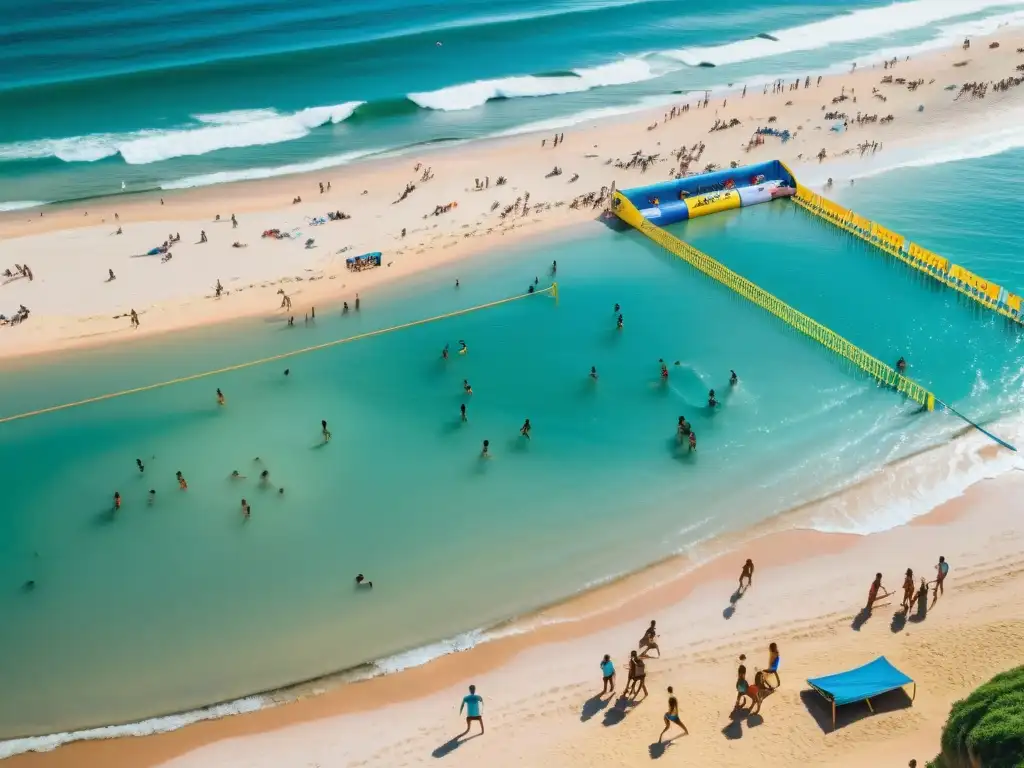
(988, 725)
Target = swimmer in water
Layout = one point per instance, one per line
(265, 476)
(344, 308)
(466, 387)
(901, 365)
(280, 491)
(220, 397)
(142, 467)
(287, 371)
(711, 399)
(117, 501)
(536, 280)
(525, 429)
(152, 496)
(324, 431)
(617, 308)
(664, 370)
(484, 453)
(463, 349)
(236, 475)
(693, 441)
(182, 483)
(246, 509)
(733, 378)
(618, 323)
(444, 352)
(362, 582)
(593, 372)
(554, 267)
(682, 428)
(462, 410)
(456, 282)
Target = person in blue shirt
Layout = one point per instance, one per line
(471, 704)
(608, 672)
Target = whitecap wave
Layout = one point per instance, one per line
(863, 24)
(224, 130)
(143, 728)
(20, 205)
(479, 92)
(249, 174)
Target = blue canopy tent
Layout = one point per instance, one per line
(860, 684)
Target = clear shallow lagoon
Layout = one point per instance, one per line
(177, 605)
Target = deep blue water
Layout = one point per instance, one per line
(168, 95)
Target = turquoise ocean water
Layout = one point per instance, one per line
(173, 606)
(165, 96)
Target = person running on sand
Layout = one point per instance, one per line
(908, 589)
(647, 642)
(747, 572)
(941, 569)
(873, 591)
(324, 431)
(672, 715)
(471, 705)
(608, 675)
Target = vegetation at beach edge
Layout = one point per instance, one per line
(986, 730)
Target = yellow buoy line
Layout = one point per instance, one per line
(551, 289)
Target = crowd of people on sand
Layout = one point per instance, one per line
(914, 593)
(20, 270)
(559, 138)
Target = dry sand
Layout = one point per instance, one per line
(539, 686)
(69, 252)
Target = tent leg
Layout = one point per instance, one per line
(870, 708)
(914, 694)
(833, 714)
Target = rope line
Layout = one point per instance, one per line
(552, 289)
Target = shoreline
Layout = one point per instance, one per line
(664, 584)
(569, 619)
(75, 309)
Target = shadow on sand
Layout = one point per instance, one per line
(592, 706)
(452, 744)
(821, 710)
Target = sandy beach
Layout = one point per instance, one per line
(71, 249)
(540, 677)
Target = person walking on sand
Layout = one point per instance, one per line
(747, 573)
(941, 569)
(324, 431)
(873, 591)
(639, 674)
(608, 675)
(908, 589)
(647, 642)
(471, 705)
(672, 715)
(135, 319)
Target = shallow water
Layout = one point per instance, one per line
(167, 607)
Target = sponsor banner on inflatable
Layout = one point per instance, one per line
(713, 202)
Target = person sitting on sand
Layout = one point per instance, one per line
(237, 244)
(647, 642)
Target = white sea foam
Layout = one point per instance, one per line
(589, 115)
(248, 174)
(479, 92)
(19, 205)
(859, 25)
(142, 728)
(224, 130)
